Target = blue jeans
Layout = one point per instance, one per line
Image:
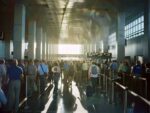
(42, 83)
(94, 83)
(3, 99)
(13, 95)
(56, 77)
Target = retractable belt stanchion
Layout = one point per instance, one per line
(112, 94)
(125, 89)
(106, 85)
(39, 86)
(26, 104)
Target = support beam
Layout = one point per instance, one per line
(19, 31)
(120, 36)
(32, 40)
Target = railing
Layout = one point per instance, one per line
(111, 84)
(125, 96)
(138, 85)
(139, 100)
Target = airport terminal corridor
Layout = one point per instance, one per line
(74, 56)
(68, 99)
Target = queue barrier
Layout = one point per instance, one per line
(111, 84)
(136, 84)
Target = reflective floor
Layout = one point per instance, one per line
(68, 99)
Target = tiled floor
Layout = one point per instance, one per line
(70, 99)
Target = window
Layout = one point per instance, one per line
(135, 28)
(112, 41)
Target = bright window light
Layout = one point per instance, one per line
(69, 49)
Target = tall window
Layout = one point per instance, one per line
(112, 40)
(135, 28)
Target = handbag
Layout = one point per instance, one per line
(35, 87)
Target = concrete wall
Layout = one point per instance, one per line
(135, 47)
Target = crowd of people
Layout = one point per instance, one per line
(14, 73)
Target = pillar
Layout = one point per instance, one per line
(9, 49)
(44, 46)
(146, 47)
(105, 38)
(32, 40)
(48, 52)
(120, 36)
(19, 31)
(39, 35)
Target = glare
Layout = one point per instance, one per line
(26, 45)
(69, 49)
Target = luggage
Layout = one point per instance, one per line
(89, 91)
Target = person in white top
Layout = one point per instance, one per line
(85, 71)
(93, 75)
(56, 75)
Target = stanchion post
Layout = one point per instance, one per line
(125, 100)
(26, 104)
(104, 82)
(112, 94)
(146, 89)
(106, 85)
(39, 86)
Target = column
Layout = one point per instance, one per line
(47, 51)
(19, 31)
(105, 38)
(9, 49)
(44, 46)
(146, 44)
(120, 37)
(32, 40)
(39, 35)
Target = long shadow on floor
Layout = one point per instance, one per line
(69, 99)
(35, 103)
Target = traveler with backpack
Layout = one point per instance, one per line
(56, 75)
(94, 72)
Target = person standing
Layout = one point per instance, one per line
(31, 77)
(84, 72)
(3, 99)
(137, 69)
(15, 73)
(43, 74)
(93, 73)
(56, 75)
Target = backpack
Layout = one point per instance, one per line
(94, 70)
(55, 69)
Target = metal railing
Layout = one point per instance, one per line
(110, 83)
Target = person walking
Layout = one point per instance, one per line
(43, 74)
(15, 74)
(31, 77)
(3, 100)
(93, 73)
(56, 75)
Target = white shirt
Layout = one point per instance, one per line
(85, 66)
(58, 70)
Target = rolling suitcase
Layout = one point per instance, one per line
(89, 91)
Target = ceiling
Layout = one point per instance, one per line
(74, 21)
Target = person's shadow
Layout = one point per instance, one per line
(69, 100)
(53, 106)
